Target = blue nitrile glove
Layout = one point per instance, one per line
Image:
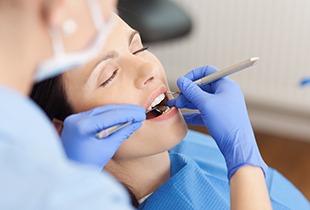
(223, 111)
(79, 132)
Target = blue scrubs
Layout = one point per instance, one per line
(205, 185)
(35, 173)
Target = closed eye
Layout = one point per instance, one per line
(140, 50)
(116, 71)
(110, 79)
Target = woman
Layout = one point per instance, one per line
(126, 73)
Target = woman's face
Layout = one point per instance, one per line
(126, 73)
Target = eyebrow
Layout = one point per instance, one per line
(110, 55)
(92, 70)
(114, 54)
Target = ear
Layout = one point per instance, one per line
(58, 125)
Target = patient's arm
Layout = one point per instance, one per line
(248, 189)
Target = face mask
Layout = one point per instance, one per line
(63, 61)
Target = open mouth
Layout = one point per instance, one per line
(158, 107)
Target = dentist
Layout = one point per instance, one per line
(40, 39)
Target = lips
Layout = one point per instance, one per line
(164, 116)
(153, 96)
(158, 107)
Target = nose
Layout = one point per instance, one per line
(145, 73)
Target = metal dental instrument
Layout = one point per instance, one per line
(107, 132)
(223, 73)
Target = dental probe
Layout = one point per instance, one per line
(223, 73)
(107, 132)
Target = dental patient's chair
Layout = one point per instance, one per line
(203, 149)
(156, 20)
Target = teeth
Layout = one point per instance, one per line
(162, 109)
(167, 109)
(157, 101)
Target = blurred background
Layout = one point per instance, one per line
(187, 34)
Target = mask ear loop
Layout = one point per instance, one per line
(58, 47)
(96, 14)
(69, 27)
(101, 26)
(62, 61)
(97, 18)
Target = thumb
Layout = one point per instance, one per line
(192, 91)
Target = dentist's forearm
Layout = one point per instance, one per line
(248, 189)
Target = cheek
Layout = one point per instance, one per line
(102, 100)
(121, 95)
(162, 73)
(81, 102)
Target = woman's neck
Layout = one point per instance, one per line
(144, 175)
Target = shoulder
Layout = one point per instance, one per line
(24, 125)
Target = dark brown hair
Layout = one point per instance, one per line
(50, 95)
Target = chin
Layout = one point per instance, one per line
(153, 137)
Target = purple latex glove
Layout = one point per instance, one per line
(79, 133)
(223, 112)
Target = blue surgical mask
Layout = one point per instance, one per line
(62, 61)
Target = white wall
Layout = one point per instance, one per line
(226, 32)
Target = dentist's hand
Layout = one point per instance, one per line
(79, 132)
(223, 111)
